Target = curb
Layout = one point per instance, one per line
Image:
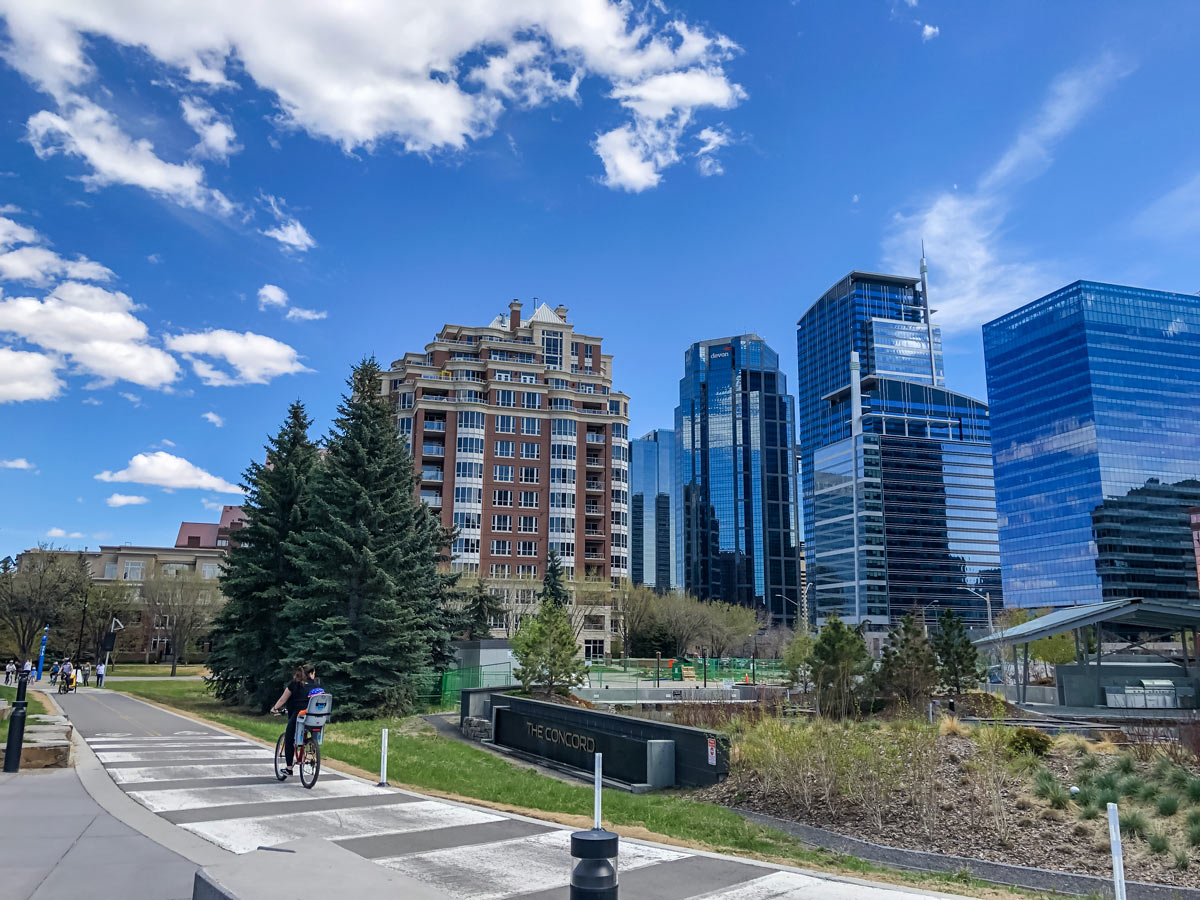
(997, 873)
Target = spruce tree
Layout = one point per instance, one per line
(368, 611)
(478, 608)
(545, 649)
(958, 661)
(838, 657)
(261, 569)
(907, 667)
(553, 588)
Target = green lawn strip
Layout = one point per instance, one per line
(151, 670)
(35, 707)
(427, 760)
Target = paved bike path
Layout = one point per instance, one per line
(222, 787)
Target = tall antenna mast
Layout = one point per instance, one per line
(928, 316)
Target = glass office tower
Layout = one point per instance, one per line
(1095, 394)
(651, 519)
(899, 507)
(737, 534)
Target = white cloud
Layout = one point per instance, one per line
(163, 443)
(117, 500)
(37, 264)
(214, 505)
(164, 470)
(91, 133)
(254, 358)
(713, 139)
(94, 329)
(214, 419)
(132, 398)
(297, 313)
(217, 138)
(154, 258)
(271, 295)
(19, 463)
(56, 533)
(929, 32)
(1173, 216)
(25, 375)
(92, 401)
(429, 77)
(288, 231)
(12, 233)
(974, 276)
(854, 199)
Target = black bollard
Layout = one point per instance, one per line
(594, 876)
(16, 727)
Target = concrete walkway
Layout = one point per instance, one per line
(56, 842)
(195, 780)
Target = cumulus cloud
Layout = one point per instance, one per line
(214, 419)
(427, 77)
(56, 533)
(22, 258)
(929, 32)
(271, 295)
(25, 375)
(300, 314)
(117, 500)
(91, 133)
(218, 140)
(253, 358)
(287, 230)
(214, 505)
(170, 472)
(974, 276)
(19, 463)
(712, 140)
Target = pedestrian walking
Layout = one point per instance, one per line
(53, 673)
(87, 673)
(28, 667)
(100, 669)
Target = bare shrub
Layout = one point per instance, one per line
(917, 742)
(992, 774)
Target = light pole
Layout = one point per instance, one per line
(82, 620)
(987, 602)
(801, 606)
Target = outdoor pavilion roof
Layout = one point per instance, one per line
(1132, 611)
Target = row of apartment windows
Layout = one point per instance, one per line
(136, 571)
(524, 548)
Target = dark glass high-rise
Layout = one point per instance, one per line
(651, 523)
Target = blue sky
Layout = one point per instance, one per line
(207, 215)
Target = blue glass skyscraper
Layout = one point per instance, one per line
(1095, 394)
(899, 507)
(651, 519)
(737, 535)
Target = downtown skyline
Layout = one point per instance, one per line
(339, 243)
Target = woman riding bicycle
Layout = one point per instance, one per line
(295, 699)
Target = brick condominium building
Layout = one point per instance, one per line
(522, 445)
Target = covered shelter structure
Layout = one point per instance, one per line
(1118, 678)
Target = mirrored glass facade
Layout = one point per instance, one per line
(737, 532)
(651, 519)
(899, 504)
(1095, 393)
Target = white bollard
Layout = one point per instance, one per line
(1114, 840)
(383, 761)
(600, 781)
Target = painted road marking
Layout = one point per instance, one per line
(107, 757)
(244, 835)
(177, 773)
(782, 886)
(224, 745)
(162, 739)
(175, 799)
(508, 868)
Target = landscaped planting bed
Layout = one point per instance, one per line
(991, 792)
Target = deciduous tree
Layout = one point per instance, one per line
(39, 592)
(184, 604)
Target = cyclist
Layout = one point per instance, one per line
(294, 698)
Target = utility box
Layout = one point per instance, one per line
(660, 764)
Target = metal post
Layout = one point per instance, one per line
(705, 653)
(82, 620)
(657, 666)
(383, 760)
(599, 785)
(42, 652)
(1025, 677)
(16, 726)
(1114, 840)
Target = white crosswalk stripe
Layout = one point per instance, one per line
(198, 753)
(136, 774)
(174, 799)
(507, 868)
(244, 835)
(162, 738)
(776, 886)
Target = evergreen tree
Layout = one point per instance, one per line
(545, 650)
(837, 661)
(957, 659)
(368, 611)
(261, 569)
(478, 609)
(907, 668)
(553, 588)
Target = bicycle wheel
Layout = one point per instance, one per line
(281, 757)
(310, 766)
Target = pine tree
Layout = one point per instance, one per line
(545, 650)
(261, 569)
(907, 667)
(958, 661)
(368, 610)
(837, 659)
(478, 609)
(553, 589)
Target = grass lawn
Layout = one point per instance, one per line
(150, 670)
(421, 759)
(36, 707)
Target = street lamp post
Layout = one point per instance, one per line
(987, 602)
(801, 606)
(82, 620)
